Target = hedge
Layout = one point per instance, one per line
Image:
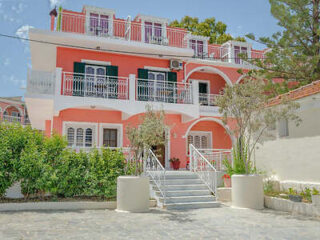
(46, 165)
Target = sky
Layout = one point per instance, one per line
(17, 16)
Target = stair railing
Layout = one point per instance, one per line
(157, 172)
(204, 169)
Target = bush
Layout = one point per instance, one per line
(45, 165)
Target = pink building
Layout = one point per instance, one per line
(93, 74)
(13, 110)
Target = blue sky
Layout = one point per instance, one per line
(17, 16)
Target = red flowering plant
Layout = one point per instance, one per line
(226, 176)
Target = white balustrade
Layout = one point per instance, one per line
(217, 157)
(164, 91)
(207, 99)
(99, 86)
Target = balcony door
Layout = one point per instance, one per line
(158, 85)
(204, 93)
(153, 33)
(99, 24)
(237, 51)
(197, 46)
(95, 77)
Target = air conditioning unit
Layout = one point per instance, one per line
(176, 64)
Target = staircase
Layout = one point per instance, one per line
(183, 190)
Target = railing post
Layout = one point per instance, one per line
(132, 87)
(58, 81)
(195, 92)
(191, 158)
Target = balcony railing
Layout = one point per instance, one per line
(98, 86)
(164, 91)
(11, 119)
(217, 157)
(121, 29)
(207, 99)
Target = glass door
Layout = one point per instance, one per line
(96, 84)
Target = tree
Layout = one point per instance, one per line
(245, 108)
(151, 132)
(208, 28)
(294, 52)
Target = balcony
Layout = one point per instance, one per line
(14, 119)
(156, 34)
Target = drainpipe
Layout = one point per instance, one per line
(53, 15)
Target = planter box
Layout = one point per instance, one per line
(224, 194)
(133, 194)
(247, 191)
(285, 205)
(316, 200)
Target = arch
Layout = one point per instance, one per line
(211, 69)
(15, 106)
(239, 79)
(212, 120)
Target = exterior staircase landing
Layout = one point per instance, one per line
(184, 190)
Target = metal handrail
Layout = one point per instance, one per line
(204, 169)
(157, 172)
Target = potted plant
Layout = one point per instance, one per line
(226, 180)
(315, 197)
(294, 196)
(246, 115)
(175, 163)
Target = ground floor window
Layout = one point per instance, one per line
(200, 139)
(110, 137)
(80, 135)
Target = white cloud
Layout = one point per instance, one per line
(18, 9)
(23, 31)
(6, 62)
(54, 3)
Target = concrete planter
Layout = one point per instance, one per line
(133, 194)
(247, 191)
(316, 200)
(295, 198)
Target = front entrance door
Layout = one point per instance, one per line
(203, 93)
(160, 152)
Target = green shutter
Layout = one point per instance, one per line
(78, 84)
(142, 84)
(112, 74)
(172, 80)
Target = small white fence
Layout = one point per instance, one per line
(100, 86)
(163, 91)
(216, 157)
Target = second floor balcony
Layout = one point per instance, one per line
(127, 94)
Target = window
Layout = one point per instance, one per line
(200, 140)
(237, 51)
(95, 80)
(197, 46)
(80, 136)
(70, 136)
(15, 114)
(99, 24)
(153, 33)
(283, 128)
(110, 137)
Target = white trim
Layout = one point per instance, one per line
(100, 11)
(94, 62)
(157, 68)
(196, 37)
(167, 149)
(240, 78)
(148, 18)
(16, 106)
(211, 69)
(117, 126)
(83, 125)
(93, 9)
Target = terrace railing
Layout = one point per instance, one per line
(128, 30)
(11, 119)
(207, 99)
(99, 86)
(217, 157)
(204, 169)
(164, 91)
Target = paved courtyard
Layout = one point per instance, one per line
(217, 223)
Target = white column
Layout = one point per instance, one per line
(132, 87)
(58, 81)
(195, 92)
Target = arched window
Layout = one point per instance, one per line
(88, 137)
(79, 141)
(70, 136)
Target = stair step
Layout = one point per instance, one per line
(182, 181)
(185, 193)
(192, 205)
(188, 199)
(185, 187)
(181, 176)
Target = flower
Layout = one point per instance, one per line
(226, 176)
